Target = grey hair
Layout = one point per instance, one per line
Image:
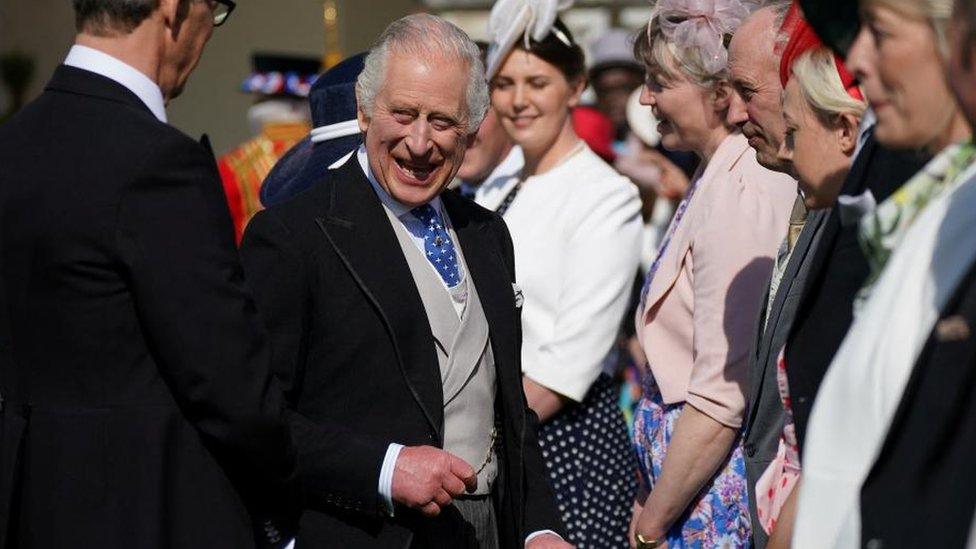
(425, 36)
(105, 17)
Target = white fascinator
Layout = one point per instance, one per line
(514, 19)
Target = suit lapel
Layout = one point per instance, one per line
(357, 227)
(773, 331)
(727, 155)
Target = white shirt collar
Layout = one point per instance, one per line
(398, 208)
(98, 62)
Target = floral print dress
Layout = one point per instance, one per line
(719, 516)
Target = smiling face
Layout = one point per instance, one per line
(819, 152)
(532, 99)
(685, 111)
(756, 107)
(416, 134)
(897, 62)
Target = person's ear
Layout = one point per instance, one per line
(722, 97)
(363, 120)
(577, 85)
(173, 13)
(847, 129)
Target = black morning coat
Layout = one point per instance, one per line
(354, 347)
(837, 272)
(139, 408)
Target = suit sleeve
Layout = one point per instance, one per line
(541, 512)
(176, 249)
(337, 466)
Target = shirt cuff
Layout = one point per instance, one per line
(386, 476)
(291, 545)
(534, 535)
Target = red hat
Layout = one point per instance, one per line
(593, 127)
(803, 39)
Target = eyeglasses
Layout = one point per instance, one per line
(221, 11)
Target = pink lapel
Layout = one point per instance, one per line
(723, 161)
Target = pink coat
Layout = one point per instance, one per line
(702, 306)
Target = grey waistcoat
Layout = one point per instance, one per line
(464, 355)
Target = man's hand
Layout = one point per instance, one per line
(428, 479)
(548, 541)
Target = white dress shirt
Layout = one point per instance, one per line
(98, 62)
(577, 233)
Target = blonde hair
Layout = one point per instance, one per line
(816, 73)
(937, 12)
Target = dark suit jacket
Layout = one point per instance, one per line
(838, 270)
(354, 345)
(764, 419)
(139, 405)
(920, 490)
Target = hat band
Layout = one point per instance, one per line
(335, 131)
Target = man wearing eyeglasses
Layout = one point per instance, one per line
(136, 404)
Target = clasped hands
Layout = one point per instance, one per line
(428, 479)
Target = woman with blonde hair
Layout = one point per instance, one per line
(822, 108)
(702, 295)
(865, 470)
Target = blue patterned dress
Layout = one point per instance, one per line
(719, 516)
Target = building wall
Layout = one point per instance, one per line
(211, 102)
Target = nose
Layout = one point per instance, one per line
(860, 54)
(519, 100)
(738, 114)
(419, 140)
(785, 152)
(647, 97)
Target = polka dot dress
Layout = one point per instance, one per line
(592, 467)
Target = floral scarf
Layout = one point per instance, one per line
(883, 230)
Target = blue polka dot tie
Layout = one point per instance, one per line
(438, 245)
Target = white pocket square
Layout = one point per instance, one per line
(519, 298)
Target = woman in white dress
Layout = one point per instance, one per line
(576, 228)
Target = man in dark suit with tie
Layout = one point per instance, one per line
(395, 323)
(139, 408)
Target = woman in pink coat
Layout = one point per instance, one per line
(704, 290)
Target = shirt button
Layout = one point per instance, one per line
(874, 543)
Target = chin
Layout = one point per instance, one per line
(772, 162)
(894, 137)
(672, 142)
(413, 196)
